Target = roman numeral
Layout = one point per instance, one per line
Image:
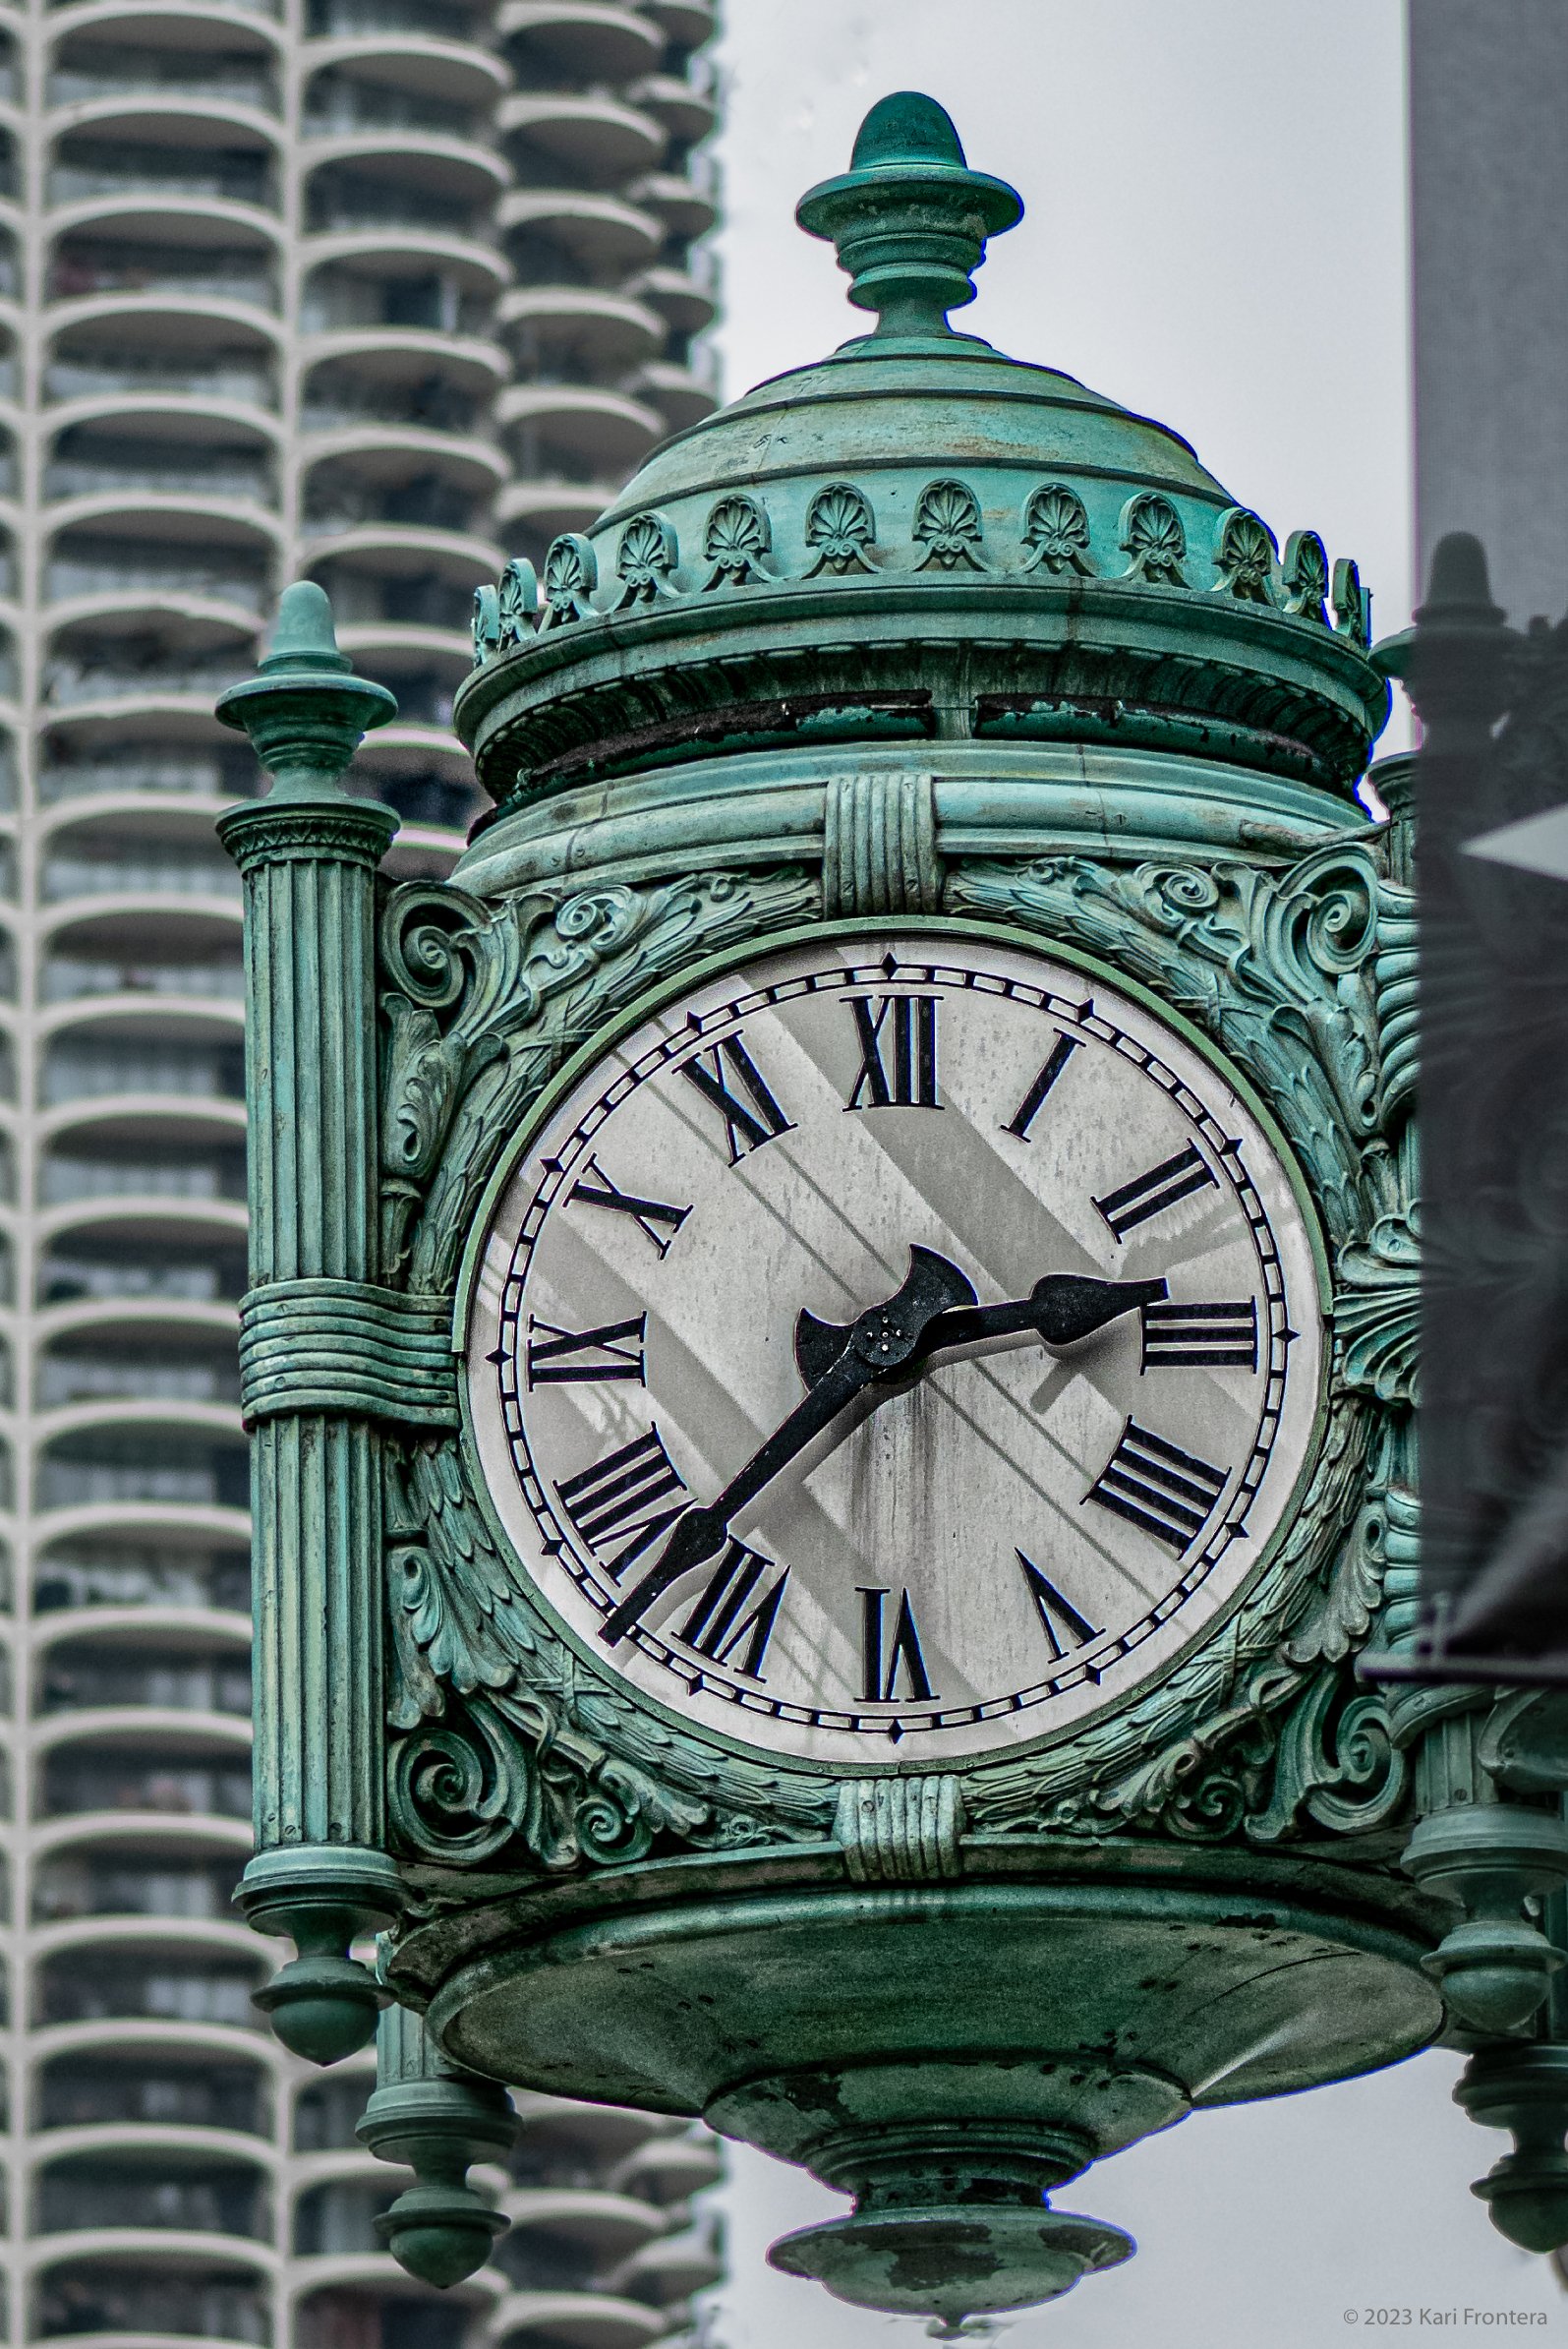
(745, 1129)
(1053, 1609)
(1033, 1101)
(1158, 1486)
(1152, 1192)
(613, 1351)
(623, 1497)
(647, 1214)
(913, 1083)
(1221, 1336)
(732, 1614)
(883, 1661)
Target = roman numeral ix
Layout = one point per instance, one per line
(1033, 1101)
(648, 1215)
(732, 1613)
(748, 1123)
(911, 1024)
(1152, 1192)
(613, 1351)
(1170, 1493)
(624, 1497)
(1054, 1611)
(884, 1660)
(1220, 1336)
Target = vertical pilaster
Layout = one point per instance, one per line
(309, 854)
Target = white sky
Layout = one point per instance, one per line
(1215, 235)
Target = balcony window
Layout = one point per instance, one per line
(104, 1778)
(73, 1677)
(76, 1886)
(430, 800)
(151, 767)
(538, 2262)
(338, 20)
(87, 2092)
(106, 1465)
(84, 267)
(115, 569)
(78, 1268)
(86, 1068)
(100, 1574)
(164, 1374)
(143, 1172)
(66, 979)
(340, 2219)
(94, 464)
(342, 200)
(425, 503)
(339, 104)
(103, 1986)
(337, 402)
(109, 69)
(422, 698)
(355, 2320)
(327, 2113)
(89, 2297)
(125, 167)
(139, 868)
(139, 2192)
(360, 599)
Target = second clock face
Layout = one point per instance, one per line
(899, 1348)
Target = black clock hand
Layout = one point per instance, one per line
(874, 1347)
(1061, 1309)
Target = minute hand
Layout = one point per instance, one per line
(875, 1348)
(1059, 1310)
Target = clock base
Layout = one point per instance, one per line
(954, 2261)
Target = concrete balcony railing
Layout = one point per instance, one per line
(95, 2091)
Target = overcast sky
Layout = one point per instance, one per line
(1215, 235)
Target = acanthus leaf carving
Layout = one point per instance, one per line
(1377, 1310)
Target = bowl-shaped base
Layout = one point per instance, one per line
(951, 2263)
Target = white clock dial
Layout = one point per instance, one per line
(978, 1517)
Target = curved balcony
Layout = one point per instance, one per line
(176, 2287)
(96, 2088)
(387, 362)
(570, 237)
(682, 299)
(685, 24)
(562, 2143)
(174, 40)
(533, 512)
(335, 2218)
(327, 2111)
(684, 110)
(527, 2319)
(145, 1050)
(200, 254)
(188, 1970)
(569, 2236)
(681, 396)
(410, 179)
(345, 2309)
(577, 334)
(670, 2169)
(665, 2274)
(101, 1458)
(555, 138)
(428, 65)
(687, 209)
(128, 853)
(577, 433)
(157, 2179)
(562, 44)
(191, 141)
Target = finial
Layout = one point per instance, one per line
(910, 218)
(304, 710)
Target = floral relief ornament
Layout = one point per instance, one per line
(645, 559)
(1055, 531)
(1244, 557)
(736, 540)
(946, 523)
(517, 599)
(1153, 540)
(1305, 570)
(839, 525)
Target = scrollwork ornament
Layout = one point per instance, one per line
(453, 1792)
(1055, 531)
(1305, 574)
(1377, 1310)
(1152, 538)
(736, 537)
(646, 559)
(948, 525)
(839, 527)
(1244, 557)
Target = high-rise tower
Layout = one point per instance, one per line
(379, 291)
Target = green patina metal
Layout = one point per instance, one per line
(919, 631)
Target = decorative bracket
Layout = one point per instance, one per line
(347, 1345)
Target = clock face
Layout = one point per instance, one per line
(899, 1348)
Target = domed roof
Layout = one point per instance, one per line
(921, 536)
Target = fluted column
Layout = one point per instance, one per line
(309, 854)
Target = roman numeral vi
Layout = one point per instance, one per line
(884, 1660)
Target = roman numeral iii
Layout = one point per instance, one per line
(626, 1497)
(884, 1660)
(1056, 1612)
(1220, 1336)
(1154, 1484)
(749, 1122)
(613, 1351)
(732, 1613)
(1152, 1192)
(905, 1027)
(655, 1220)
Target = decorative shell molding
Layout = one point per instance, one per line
(1055, 542)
